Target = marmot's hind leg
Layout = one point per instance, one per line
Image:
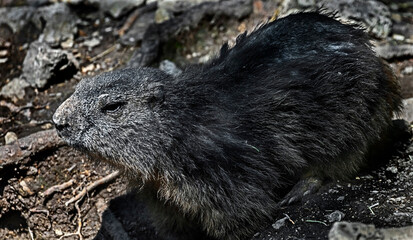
(377, 154)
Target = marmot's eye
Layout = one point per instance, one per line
(113, 107)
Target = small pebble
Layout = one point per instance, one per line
(4, 53)
(279, 223)
(392, 169)
(335, 216)
(398, 37)
(88, 68)
(10, 137)
(341, 198)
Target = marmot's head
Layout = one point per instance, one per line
(115, 117)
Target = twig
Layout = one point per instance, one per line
(128, 23)
(34, 210)
(23, 126)
(58, 188)
(16, 109)
(289, 219)
(79, 224)
(92, 186)
(133, 16)
(316, 221)
(372, 206)
(24, 148)
(30, 234)
(104, 53)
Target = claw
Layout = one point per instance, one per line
(302, 188)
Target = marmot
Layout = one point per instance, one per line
(216, 147)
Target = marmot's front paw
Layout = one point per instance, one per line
(302, 188)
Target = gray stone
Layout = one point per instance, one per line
(138, 29)
(162, 15)
(306, 3)
(335, 216)
(118, 8)
(388, 51)
(10, 137)
(349, 231)
(74, 2)
(392, 169)
(371, 14)
(14, 89)
(16, 17)
(279, 223)
(180, 5)
(114, 8)
(42, 63)
(407, 113)
(91, 43)
(60, 23)
(161, 33)
(170, 68)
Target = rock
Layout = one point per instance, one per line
(388, 51)
(279, 223)
(403, 28)
(118, 8)
(88, 68)
(74, 2)
(398, 37)
(407, 113)
(4, 53)
(156, 34)
(170, 68)
(14, 89)
(10, 137)
(136, 32)
(392, 169)
(115, 9)
(60, 23)
(181, 5)
(162, 15)
(348, 230)
(91, 43)
(56, 20)
(371, 14)
(335, 216)
(16, 17)
(67, 44)
(306, 3)
(42, 64)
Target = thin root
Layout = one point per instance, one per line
(79, 224)
(57, 188)
(92, 186)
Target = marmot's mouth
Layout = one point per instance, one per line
(75, 144)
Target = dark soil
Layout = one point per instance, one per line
(381, 195)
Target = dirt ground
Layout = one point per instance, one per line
(380, 195)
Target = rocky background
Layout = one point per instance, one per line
(50, 191)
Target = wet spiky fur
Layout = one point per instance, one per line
(216, 146)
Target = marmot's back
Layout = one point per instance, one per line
(216, 146)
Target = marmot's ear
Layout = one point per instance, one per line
(155, 93)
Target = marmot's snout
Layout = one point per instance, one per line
(61, 119)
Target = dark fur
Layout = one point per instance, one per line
(215, 147)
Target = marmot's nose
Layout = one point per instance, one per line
(59, 121)
(61, 117)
